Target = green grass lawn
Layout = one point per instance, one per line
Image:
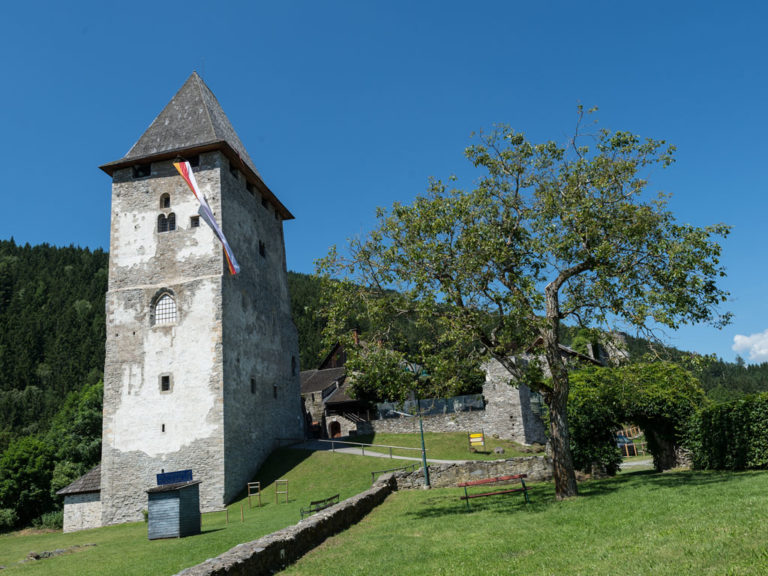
(443, 446)
(125, 550)
(636, 523)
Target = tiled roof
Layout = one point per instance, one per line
(318, 380)
(88, 482)
(340, 396)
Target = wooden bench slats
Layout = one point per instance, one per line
(484, 482)
(492, 480)
(493, 493)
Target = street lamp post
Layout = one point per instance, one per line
(423, 448)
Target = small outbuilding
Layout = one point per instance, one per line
(82, 502)
(174, 510)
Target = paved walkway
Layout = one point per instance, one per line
(637, 463)
(374, 452)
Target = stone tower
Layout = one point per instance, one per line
(202, 368)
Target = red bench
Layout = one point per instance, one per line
(495, 481)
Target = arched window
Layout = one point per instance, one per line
(163, 311)
(165, 201)
(166, 224)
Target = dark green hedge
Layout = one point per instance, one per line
(731, 436)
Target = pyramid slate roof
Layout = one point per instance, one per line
(88, 482)
(193, 122)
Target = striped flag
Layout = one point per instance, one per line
(207, 214)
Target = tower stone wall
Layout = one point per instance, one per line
(211, 383)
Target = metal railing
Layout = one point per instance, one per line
(363, 446)
(375, 473)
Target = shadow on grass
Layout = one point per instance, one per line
(449, 503)
(277, 465)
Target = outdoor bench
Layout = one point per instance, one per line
(490, 482)
(317, 505)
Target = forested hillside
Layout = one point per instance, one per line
(51, 330)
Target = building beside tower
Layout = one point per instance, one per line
(202, 368)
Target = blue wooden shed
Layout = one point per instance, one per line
(174, 510)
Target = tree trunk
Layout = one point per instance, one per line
(559, 436)
(557, 397)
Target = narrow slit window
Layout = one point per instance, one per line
(262, 249)
(234, 171)
(165, 383)
(253, 385)
(194, 222)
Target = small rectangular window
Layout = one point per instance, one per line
(234, 171)
(165, 383)
(253, 385)
(141, 170)
(162, 429)
(251, 188)
(265, 203)
(274, 391)
(194, 222)
(262, 249)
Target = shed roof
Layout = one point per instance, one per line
(88, 482)
(172, 487)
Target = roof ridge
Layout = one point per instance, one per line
(202, 99)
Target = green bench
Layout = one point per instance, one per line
(316, 505)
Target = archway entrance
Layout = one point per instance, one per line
(334, 430)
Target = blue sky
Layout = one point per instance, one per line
(346, 106)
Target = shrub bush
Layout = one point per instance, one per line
(731, 436)
(659, 397)
(8, 519)
(51, 520)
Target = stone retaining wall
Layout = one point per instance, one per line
(456, 422)
(275, 551)
(537, 468)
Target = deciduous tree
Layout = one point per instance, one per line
(550, 233)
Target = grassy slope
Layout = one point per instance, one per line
(125, 549)
(636, 523)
